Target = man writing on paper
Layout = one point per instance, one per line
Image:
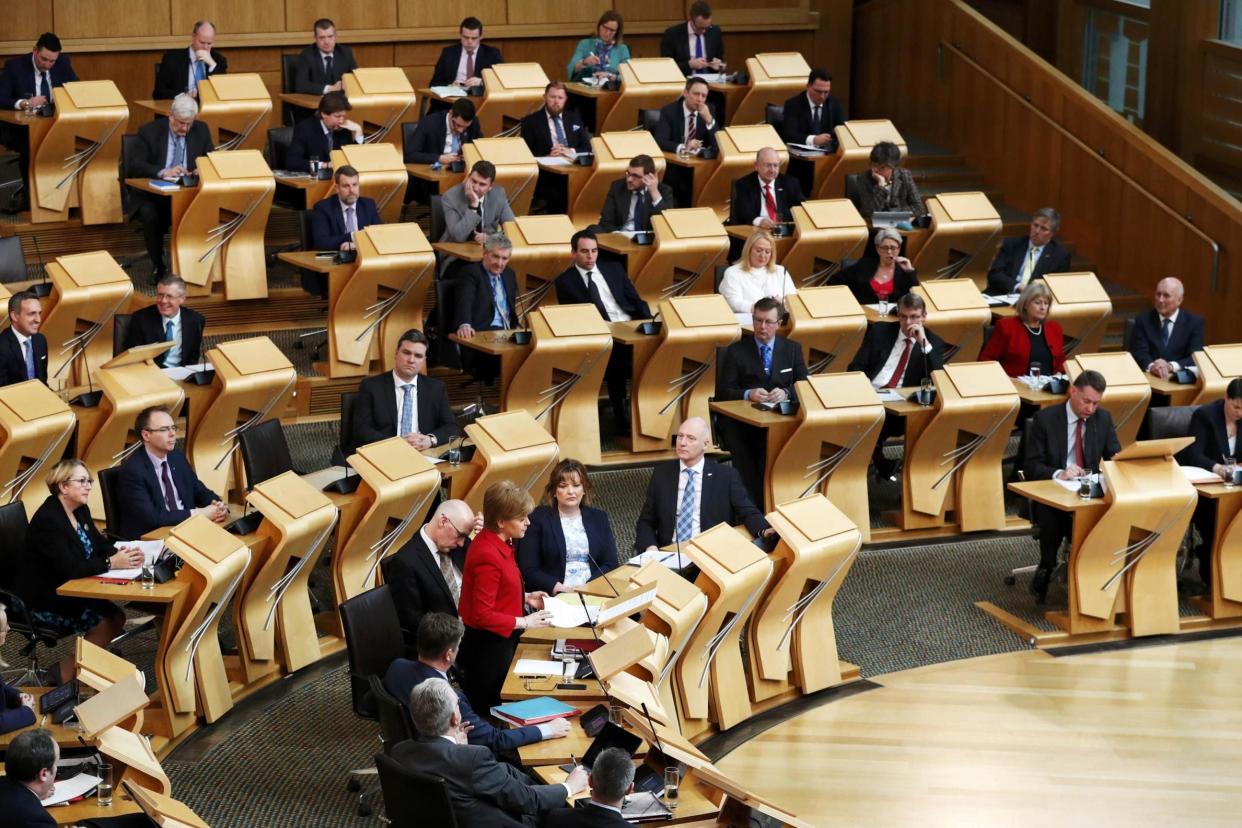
(696, 45)
(611, 780)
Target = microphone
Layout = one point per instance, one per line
(91, 397)
(603, 572)
(654, 734)
(44, 288)
(587, 669)
(652, 326)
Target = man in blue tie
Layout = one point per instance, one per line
(23, 350)
(486, 301)
(1166, 337)
(404, 402)
(181, 70)
(168, 321)
(696, 44)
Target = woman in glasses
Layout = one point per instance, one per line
(602, 54)
(883, 278)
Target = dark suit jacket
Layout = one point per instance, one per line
(308, 139)
(19, 78)
(405, 674)
(54, 554)
(418, 587)
(21, 806)
(746, 199)
(617, 206)
(796, 124)
(174, 73)
(538, 136)
(484, 793)
(475, 304)
(376, 415)
(1003, 274)
(446, 65)
(675, 43)
(154, 155)
(13, 361)
(588, 816)
(742, 369)
(427, 144)
(857, 277)
(670, 131)
(541, 553)
(328, 221)
(308, 75)
(572, 290)
(1185, 338)
(878, 343)
(868, 197)
(724, 500)
(1047, 441)
(147, 326)
(142, 499)
(1207, 426)
(13, 714)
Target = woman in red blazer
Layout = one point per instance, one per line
(1018, 342)
(493, 606)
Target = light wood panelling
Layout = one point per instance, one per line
(230, 17)
(373, 14)
(417, 13)
(26, 21)
(111, 18)
(557, 11)
(639, 10)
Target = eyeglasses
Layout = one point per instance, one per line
(461, 536)
(82, 481)
(169, 429)
(890, 248)
(759, 320)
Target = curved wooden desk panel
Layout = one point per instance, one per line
(826, 232)
(238, 108)
(829, 324)
(1218, 365)
(508, 446)
(613, 151)
(964, 230)
(35, 425)
(382, 99)
(87, 291)
(1225, 599)
(958, 313)
(1128, 393)
(675, 614)
(646, 83)
(540, 251)
(516, 168)
(684, 256)
(775, 77)
(510, 92)
(1082, 306)
(382, 175)
(854, 142)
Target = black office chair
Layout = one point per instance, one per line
(1127, 334)
(447, 353)
(265, 452)
(278, 141)
(648, 119)
(436, 205)
(413, 799)
(13, 526)
(12, 260)
(155, 78)
(774, 114)
(1170, 420)
(131, 147)
(394, 719)
(110, 491)
(120, 330)
(345, 442)
(12, 184)
(288, 112)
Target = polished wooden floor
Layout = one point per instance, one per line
(1143, 736)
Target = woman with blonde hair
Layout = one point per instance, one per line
(754, 276)
(1030, 338)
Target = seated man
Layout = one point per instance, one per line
(322, 64)
(1215, 429)
(692, 494)
(462, 64)
(475, 208)
(439, 639)
(696, 45)
(168, 321)
(482, 791)
(486, 301)
(1166, 337)
(315, 138)
(812, 117)
(764, 197)
(886, 187)
(438, 137)
(23, 350)
(552, 130)
(631, 201)
(169, 148)
(29, 778)
(181, 70)
(157, 486)
(1022, 259)
(336, 219)
(687, 122)
(45, 68)
(405, 402)
(760, 369)
(611, 780)
(1064, 442)
(606, 286)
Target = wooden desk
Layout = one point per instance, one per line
(562, 751)
(441, 179)
(163, 107)
(576, 176)
(1225, 600)
(66, 737)
(635, 255)
(311, 189)
(693, 802)
(466, 251)
(497, 344)
(89, 808)
(514, 687)
(594, 103)
(312, 260)
(779, 428)
(742, 232)
(699, 169)
(732, 94)
(1175, 393)
(301, 99)
(1040, 398)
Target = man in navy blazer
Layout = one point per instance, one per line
(23, 350)
(1210, 425)
(632, 201)
(671, 129)
(316, 137)
(749, 203)
(28, 80)
(692, 494)
(696, 45)
(1166, 337)
(1021, 259)
(463, 63)
(439, 136)
(167, 320)
(181, 70)
(380, 409)
(611, 780)
(811, 117)
(554, 131)
(335, 220)
(486, 301)
(322, 64)
(157, 486)
(29, 777)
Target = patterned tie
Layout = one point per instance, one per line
(407, 410)
(765, 353)
(30, 366)
(351, 221)
(895, 380)
(501, 317)
(560, 131)
(469, 65)
(450, 576)
(170, 498)
(685, 516)
(329, 71)
(1028, 267)
(1080, 456)
(691, 132)
(179, 151)
(816, 123)
(1166, 329)
(597, 299)
(769, 201)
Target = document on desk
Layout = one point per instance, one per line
(1200, 476)
(1006, 300)
(181, 373)
(72, 788)
(555, 161)
(669, 559)
(807, 147)
(888, 395)
(570, 612)
(448, 91)
(538, 667)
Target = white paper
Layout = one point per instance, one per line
(1005, 299)
(182, 372)
(888, 395)
(1197, 475)
(625, 608)
(71, 788)
(806, 147)
(713, 77)
(668, 559)
(538, 667)
(1072, 485)
(448, 91)
(555, 161)
(567, 613)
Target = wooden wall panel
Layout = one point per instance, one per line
(300, 15)
(557, 11)
(111, 18)
(421, 13)
(230, 16)
(644, 10)
(26, 21)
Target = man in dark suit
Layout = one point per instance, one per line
(1064, 442)
(168, 149)
(611, 781)
(1212, 425)
(688, 121)
(439, 136)
(315, 138)
(487, 301)
(322, 64)
(759, 369)
(181, 70)
(631, 201)
(1166, 337)
(336, 219)
(462, 64)
(168, 321)
(29, 777)
(439, 640)
(764, 197)
(23, 350)
(28, 80)
(482, 792)
(692, 494)
(811, 117)
(157, 486)
(558, 132)
(404, 402)
(1020, 259)
(885, 187)
(696, 45)
(606, 286)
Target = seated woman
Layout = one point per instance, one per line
(1029, 339)
(1215, 429)
(493, 606)
(16, 707)
(62, 543)
(569, 542)
(754, 276)
(885, 277)
(885, 187)
(601, 54)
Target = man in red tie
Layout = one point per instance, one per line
(764, 197)
(462, 64)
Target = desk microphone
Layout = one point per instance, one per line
(590, 671)
(44, 288)
(603, 572)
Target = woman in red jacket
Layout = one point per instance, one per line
(1030, 338)
(493, 606)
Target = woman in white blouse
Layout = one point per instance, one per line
(568, 541)
(754, 276)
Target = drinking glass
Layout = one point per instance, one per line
(314, 165)
(883, 306)
(616, 715)
(672, 785)
(1231, 471)
(1084, 486)
(454, 457)
(104, 791)
(148, 575)
(1036, 371)
(925, 391)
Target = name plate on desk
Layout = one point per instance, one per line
(980, 379)
(833, 213)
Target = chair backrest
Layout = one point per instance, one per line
(437, 218)
(1170, 420)
(1127, 334)
(774, 114)
(305, 236)
(110, 491)
(372, 641)
(288, 63)
(407, 136)
(346, 442)
(131, 147)
(394, 719)
(649, 119)
(278, 141)
(413, 799)
(265, 452)
(12, 260)
(12, 538)
(120, 329)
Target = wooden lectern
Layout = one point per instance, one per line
(132, 759)
(237, 108)
(215, 562)
(510, 92)
(689, 243)
(163, 810)
(775, 77)
(381, 98)
(1082, 306)
(87, 291)
(1218, 365)
(35, 426)
(219, 237)
(825, 233)
(508, 446)
(958, 313)
(613, 661)
(829, 324)
(253, 378)
(516, 168)
(1128, 393)
(646, 83)
(381, 175)
(559, 381)
(382, 298)
(1224, 601)
(964, 227)
(854, 142)
(398, 484)
(613, 151)
(99, 669)
(540, 251)
(673, 381)
(738, 146)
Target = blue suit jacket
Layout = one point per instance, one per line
(142, 499)
(328, 222)
(18, 78)
(404, 675)
(13, 714)
(21, 807)
(541, 553)
(1185, 338)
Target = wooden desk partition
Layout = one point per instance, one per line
(775, 77)
(964, 228)
(510, 92)
(689, 243)
(1082, 306)
(541, 252)
(164, 810)
(382, 98)
(237, 108)
(132, 760)
(737, 147)
(35, 426)
(1218, 365)
(1128, 393)
(99, 668)
(829, 324)
(676, 612)
(958, 313)
(613, 151)
(508, 446)
(854, 142)
(646, 83)
(369, 309)
(516, 168)
(381, 175)
(826, 232)
(87, 291)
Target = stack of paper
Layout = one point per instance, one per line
(538, 667)
(669, 559)
(569, 612)
(448, 91)
(71, 788)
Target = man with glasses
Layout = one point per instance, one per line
(633, 200)
(157, 485)
(168, 321)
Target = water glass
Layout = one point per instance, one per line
(925, 391)
(683, 152)
(454, 457)
(883, 306)
(1231, 471)
(672, 788)
(314, 165)
(148, 575)
(616, 715)
(104, 791)
(1037, 371)
(1084, 487)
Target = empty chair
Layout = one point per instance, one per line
(265, 452)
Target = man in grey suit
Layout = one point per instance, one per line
(475, 208)
(483, 792)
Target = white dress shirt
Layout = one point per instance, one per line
(890, 365)
(47, 80)
(1071, 433)
(686, 112)
(462, 77)
(615, 314)
(1160, 332)
(742, 288)
(398, 384)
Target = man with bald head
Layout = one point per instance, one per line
(692, 494)
(764, 197)
(1166, 336)
(181, 70)
(425, 575)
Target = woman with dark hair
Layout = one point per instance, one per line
(569, 542)
(601, 54)
(1215, 429)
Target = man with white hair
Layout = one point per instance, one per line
(764, 198)
(483, 792)
(182, 70)
(1166, 337)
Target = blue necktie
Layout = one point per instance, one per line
(698, 46)
(43, 90)
(407, 410)
(30, 368)
(168, 331)
(200, 72)
(501, 317)
(179, 151)
(765, 352)
(640, 212)
(685, 515)
(560, 131)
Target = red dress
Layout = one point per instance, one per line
(491, 585)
